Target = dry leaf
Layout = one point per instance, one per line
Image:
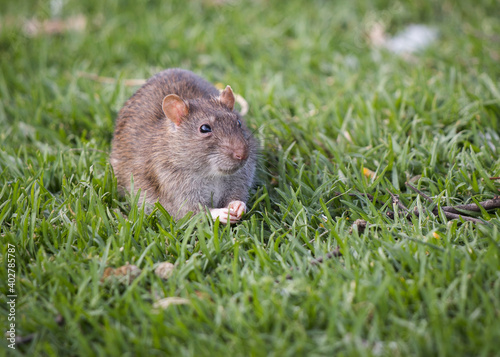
(164, 270)
(203, 295)
(347, 136)
(360, 224)
(172, 300)
(124, 274)
(368, 173)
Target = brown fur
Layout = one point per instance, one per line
(169, 159)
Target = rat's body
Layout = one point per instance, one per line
(185, 146)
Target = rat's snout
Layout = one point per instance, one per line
(240, 153)
(234, 155)
(236, 150)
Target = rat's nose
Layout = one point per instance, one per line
(240, 154)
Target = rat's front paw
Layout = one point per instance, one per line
(221, 213)
(234, 211)
(237, 208)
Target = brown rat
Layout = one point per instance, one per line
(185, 146)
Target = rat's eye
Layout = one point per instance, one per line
(205, 128)
(239, 124)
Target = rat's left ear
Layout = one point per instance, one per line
(227, 98)
(175, 108)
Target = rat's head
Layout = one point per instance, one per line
(208, 133)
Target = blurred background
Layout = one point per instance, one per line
(68, 65)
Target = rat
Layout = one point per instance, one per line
(185, 146)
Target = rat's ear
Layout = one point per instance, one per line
(227, 97)
(174, 108)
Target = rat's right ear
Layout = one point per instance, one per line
(175, 108)
(227, 97)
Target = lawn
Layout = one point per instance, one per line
(342, 122)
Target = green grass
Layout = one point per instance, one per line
(325, 105)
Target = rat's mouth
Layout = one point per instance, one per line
(230, 168)
(223, 165)
(229, 171)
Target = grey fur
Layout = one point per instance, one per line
(176, 165)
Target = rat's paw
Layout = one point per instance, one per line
(223, 214)
(234, 211)
(237, 208)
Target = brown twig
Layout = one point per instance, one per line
(456, 212)
(396, 200)
(472, 207)
(448, 215)
(450, 212)
(451, 215)
(494, 203)
(419, 192)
